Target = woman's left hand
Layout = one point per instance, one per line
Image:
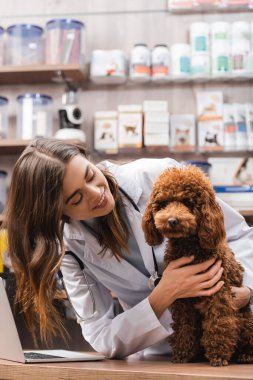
(241, 296)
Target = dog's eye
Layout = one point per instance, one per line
(161, 205)
(188, 203)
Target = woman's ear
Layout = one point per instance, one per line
(211, 225)
(152, 235)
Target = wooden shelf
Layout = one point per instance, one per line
(35, 74)
(15, 146)
(160, 152)
(12, 147)
(176, 82)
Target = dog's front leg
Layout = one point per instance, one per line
(186, 336)
(220, 328)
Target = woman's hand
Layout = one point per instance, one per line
(241, 296)
(181, 280)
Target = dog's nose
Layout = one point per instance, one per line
(173, 222)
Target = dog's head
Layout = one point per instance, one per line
(182, 204)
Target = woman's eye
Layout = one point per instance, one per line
(91, 175)
(76, 203)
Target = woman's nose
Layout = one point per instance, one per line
(92, 191)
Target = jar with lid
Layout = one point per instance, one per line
(34, 116)
(199, 37)
(180, 61)
(3, 117)
(140, 62)
(3, 189)
(65, 41)
(160, 63)
(1, 46)
(24, 44)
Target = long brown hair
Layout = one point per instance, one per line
(35, 222)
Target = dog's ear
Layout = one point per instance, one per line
(152, 235)
(211, 224)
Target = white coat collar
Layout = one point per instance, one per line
(74, 229)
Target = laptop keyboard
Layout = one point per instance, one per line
(36, 355)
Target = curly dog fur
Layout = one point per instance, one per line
(183, 209)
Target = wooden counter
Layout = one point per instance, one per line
(152, 368)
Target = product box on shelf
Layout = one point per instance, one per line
(244, 173)
(249, 122)
(130, 126)
(210, 135)
(156, 128)
(229, 127)
(155, 105)
(105, 131)
(210, 120)
(241, 127)
(180, 4)
(182, 132)
(209, 105)
(108, 66)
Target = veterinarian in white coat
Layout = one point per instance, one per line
(137, 328)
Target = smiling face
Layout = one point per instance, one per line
(86, 191)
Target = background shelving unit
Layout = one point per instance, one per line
(39, 74)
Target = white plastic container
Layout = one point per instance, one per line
(108, 66)
(1, 46)
(140, 62)
(180, 61)
(34, 116)
(240, 30)
(160, 63)
(24, 45)
(240, 57)
(3, 189)
(200, 64)
(221, 62)
(65, 42)
(3, 117)
(199, 37)
(220, 33)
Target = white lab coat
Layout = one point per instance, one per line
(137, 328)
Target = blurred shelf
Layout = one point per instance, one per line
(34, 74)
(128, 84)
(211, 8)
(160, 152)
(15, 146)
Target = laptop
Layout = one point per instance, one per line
(10, 345)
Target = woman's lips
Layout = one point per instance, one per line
(102, 202)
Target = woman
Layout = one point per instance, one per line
(55, 191)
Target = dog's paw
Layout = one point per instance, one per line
(245, 359)
(218, 362)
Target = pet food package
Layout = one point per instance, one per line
(105, 131)
(108, 66)
(210, 120)
(182, 132)
(241, 127)
(156, 128)
(210, 135)
(249, 123)
(209, 105)
(155, 105)
(130, 126)
(229, 127)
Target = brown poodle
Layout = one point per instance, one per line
(183, 208)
